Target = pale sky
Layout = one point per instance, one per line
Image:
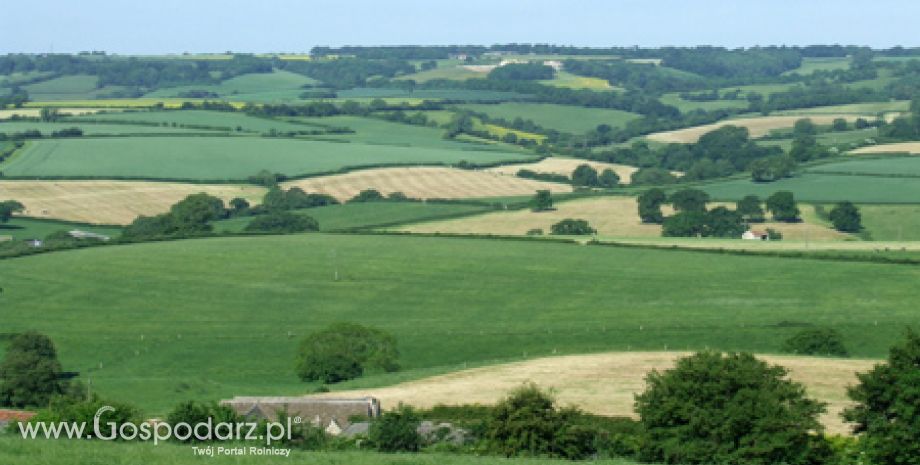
(176, 26)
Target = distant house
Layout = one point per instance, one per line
(77, 234)
(555, 64)
(753, 235)
(332, 415)
(6, 238)
(9, 416)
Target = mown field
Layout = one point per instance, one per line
(560, 117)
(158, 323)
(813, 187)
(219, 158)
(757, 126)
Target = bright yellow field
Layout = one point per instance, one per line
(565, 166)
(758, 127)
(426, 183)
(110, 202)
(604, 384)
(899, 147)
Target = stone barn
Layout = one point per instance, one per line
(333, 415)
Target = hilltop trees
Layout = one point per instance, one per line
(7, 208)
(344, 351)
(726, 408)
(886, 413)
(783, 207)
(845, 217)
(30, 374)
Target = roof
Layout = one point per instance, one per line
(316, 410)
(17, 415)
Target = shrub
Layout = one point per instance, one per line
(542, 201)
(30, 372)
(367, 195)
(343, 351)
(282, 223)
(570, 227)
(816, 341)
(192, 413)
(396, 431)
(845, 217)
(783, 207)
(734, 408)
(72, 409)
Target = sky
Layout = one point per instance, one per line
(200, 26)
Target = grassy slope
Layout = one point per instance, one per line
(823, 188)
(810, 65)
(892, 222)
(198, 117)
(28, 228)
(161, 322)
(93, 129)
(218, 158)
(269, 87)
(878, 166)
(67, 88)
(561, 117)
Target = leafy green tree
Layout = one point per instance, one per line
(886, 414)
(197, 210)
(684, 224)
(282, 222)
(193, 413)
(274, 199)
(608, 178)
(343, 351)
(30, 374)
(542, 201)
(804, 127)
(396, 431)
(49, 115)
(722, 222)
(771, 169)
(7, 208)
(845, 217)
(528, 423)
(367, 195)
(238, 205)
(783, 207)
(652, 177)
(689, 200)
(750, 209)
(572, 227)
(839, 124)
(726, 408)
(650, 203)
(816, 341)
(150, 226)
(585, 175)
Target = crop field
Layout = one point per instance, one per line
(219, 158)
(574, 81)
(757, 126)
(111, 202)
(897, 147)
(367, 214)
(606, 383)
(36, 112)
(274, 86)
(31, 228)
(891, 222)
(159, 323)
(814, 187)
(810, 65)
(866, 109)
(610, 216)
(447, 69)
(896, 166)
(426, 183)
(94, 129)
(502, 131)
(218, 119)
(74, 87)
(565, 166)
(560, 117)
(431, 94)
(674, 100)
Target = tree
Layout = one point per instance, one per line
(684, 224)
(608, 178)
(529, 423)
(542, 201)
(839, 124)
(367, 195)
(749, 208)
(584, 175)
(783, 207)
(650, 203)
(282, 222)
(816, 341)
(886, 413)
(343, 351)
(771, 169)
(845, 217)
(30, 372)
(396, 431)
(7, 208)
(722, 222)
(689, 200)
(652, 177)
(238, 205)
(197, 210)
(49, 115)
(193, 413)
(572, 227)
(726, 408)
(804, 127)
(144, 227)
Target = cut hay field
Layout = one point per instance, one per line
(610, 216)
(160, 323)
(111, 202)
(425, 183)
(606, 383)
(897, 147)
(757, 126)
(560, 117)
(816, 187)
(219, 158)
(565, 166)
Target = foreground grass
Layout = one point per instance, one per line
(158, 323)
(15, 451)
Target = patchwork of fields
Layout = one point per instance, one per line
(559, 117)
(757, 126)
(565, 166)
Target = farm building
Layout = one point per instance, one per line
(9, 416)
(555, 64)
(753, 235)
(6, 238)
(333, 415)
(77, 234)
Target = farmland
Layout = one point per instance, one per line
(814, 187)
(94, 129)
(97, 303)
(899, 147)
(565, 166)
(559, 117)
(268, 87)
(209, 119)
(892, 166)
(218, 158)
(757, 126)
(30, 228)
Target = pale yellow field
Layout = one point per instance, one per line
(610, 216)
(899, 147)
(565, 166)
(758, 127)
(603, 384)
(426, 183)
(110, 202)
(36, 112)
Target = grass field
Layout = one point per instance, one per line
(903, 166)
(674, 100)
(867, 109)
(94, 129)
(605, 384)
(220, 119)
(447, 69)
(810, 65)
(111, 202)
(31, 228)
(366, 215)
(574, 81)
(757, 126)
(814, 187)
(897, 147)
(565, 166)
(74, 87)
(891, 222)
(430, 94)
(218, 158)
(158, 323)
(426, 183)
(267, 87)
(560, 117)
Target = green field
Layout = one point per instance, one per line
(367, 214)
(93, 129)
(891, 222)
(220, 119)
(810, 65)
(158, 323)
(31, 228)
(430, 94)
(447, 69)
(75, 87)
(267, 87)
(674, 100)
(560, 117)
(898, 166)
(814, 187)
(574, 81)
(845, 139)
(219, 158)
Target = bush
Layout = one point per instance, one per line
(282, 223)
(542, 201)
(396, 431)
(192, 413)
(734, 408)
(72, 409)
(570, 227)
(343, 351)
(845, 217)
(367, 195)
(30, 372)
(816, 341)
